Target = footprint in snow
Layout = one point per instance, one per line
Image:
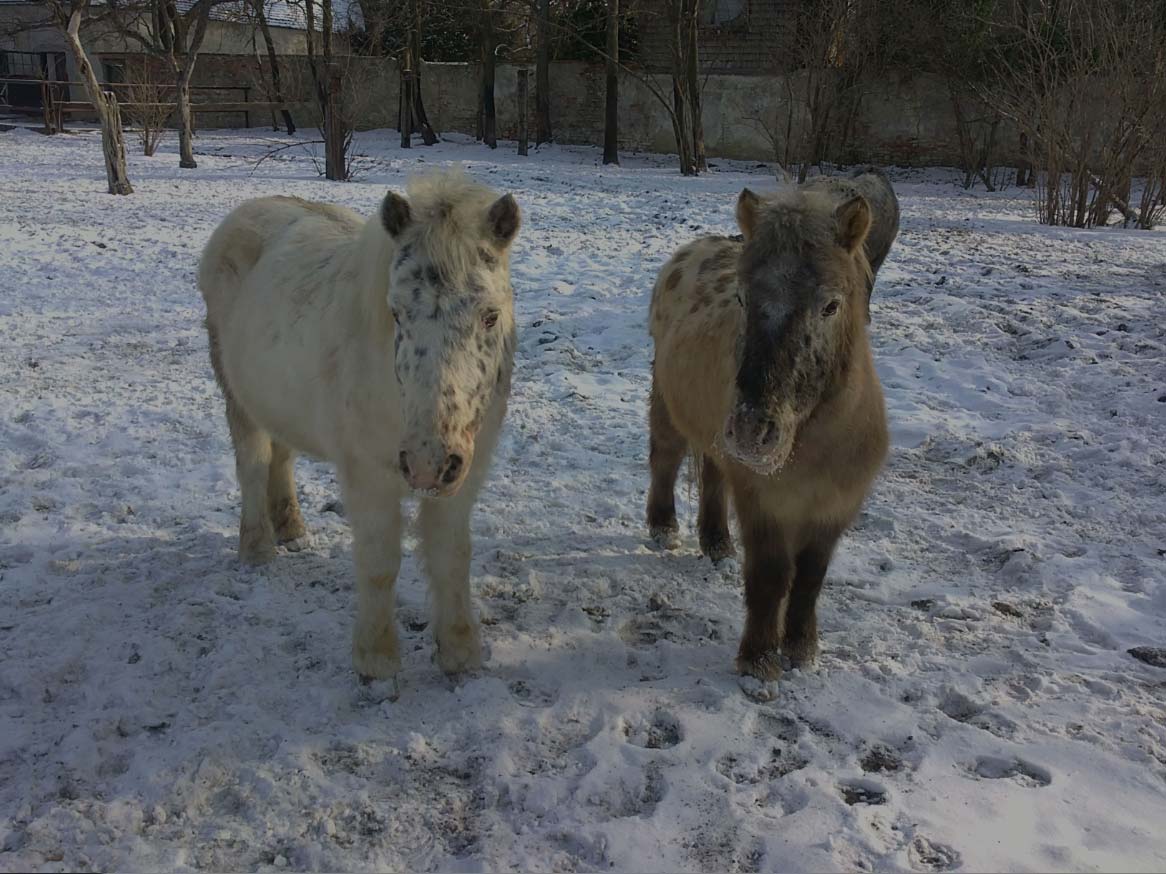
(863, 792)
(881, 760)
(927, 855)
(659, 732)
(1019, 771)
(961, 708)
(530, 695)
(780, 762)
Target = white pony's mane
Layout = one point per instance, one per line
(449, 220)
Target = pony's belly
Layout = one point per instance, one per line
(275, 389)
(696, 371)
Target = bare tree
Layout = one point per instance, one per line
(175, 36)
(678, 108)
(690, 31)
(488, 47)
(681, 17)
(69, 18)
(823, 66)
(611, 97)
(542, 74)
(180, 36)
(260, 13)
(420, 117)
(326, 82)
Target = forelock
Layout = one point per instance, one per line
(449, 223)
(796, 222)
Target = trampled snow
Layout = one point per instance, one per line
(975, 705)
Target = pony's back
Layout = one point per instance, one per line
(247, 232)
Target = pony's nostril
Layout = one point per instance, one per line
(453, 468)
(403, 461)
(768, 432)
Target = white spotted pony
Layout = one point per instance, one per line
(386, 347)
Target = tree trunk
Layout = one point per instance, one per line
(273, 60)
(681, 121)
(489, 117)
(682, 128)
(405, 103)
(420, 118)
(1025, 178)
(183, 56)
(692, 63)
(313, 62)
(335, 130)
(542, 76)
(112, 140)
(611, 101)
(185, 120)
(522, 144)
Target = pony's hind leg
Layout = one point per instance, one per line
(252, 462)
(282, 504)
(666, 450)
(713, 518)
(444, 526)
(252, 467)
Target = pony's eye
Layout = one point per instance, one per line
(396, 318)
(831, 309)
(490, 319)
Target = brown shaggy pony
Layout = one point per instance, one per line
(764, 373)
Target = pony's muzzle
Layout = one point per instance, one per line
(757, 439)
(437, 473)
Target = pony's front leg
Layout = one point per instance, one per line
(373, 506)
(445, 546)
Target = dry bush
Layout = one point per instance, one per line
(149, 105)
(821, 70)
(1086, 81)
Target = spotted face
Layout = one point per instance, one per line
(453, 339)
(803, 287)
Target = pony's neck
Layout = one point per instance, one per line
(373, 259)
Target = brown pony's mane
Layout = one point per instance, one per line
(793, 218)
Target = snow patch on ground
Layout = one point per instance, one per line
(975, 705)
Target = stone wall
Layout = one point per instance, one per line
(905, 120)
(736, 36)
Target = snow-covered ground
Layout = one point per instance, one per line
(975, 706)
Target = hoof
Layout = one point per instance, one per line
(256, 545)
(372, 664)
(459, 649)
(665, 536)
(255, 554)
(296, 545)
(291, 530)
(719, 550)
(801, 653)
(758, 691)
(765, 667)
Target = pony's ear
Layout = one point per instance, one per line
(503, 220)
(853, 218)
(395, 214)
(747, 206)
